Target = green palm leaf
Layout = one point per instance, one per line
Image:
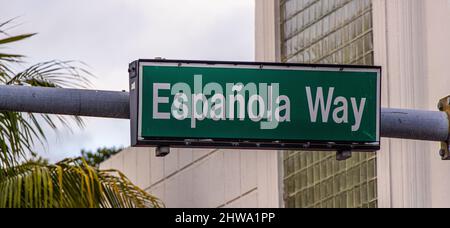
(69, 184)
(16, 38)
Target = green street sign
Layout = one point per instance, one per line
(254, 105)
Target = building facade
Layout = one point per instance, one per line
(201, 178)
(405, 37)
(408, 38)
(327, 32)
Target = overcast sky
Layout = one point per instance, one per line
(109, 34)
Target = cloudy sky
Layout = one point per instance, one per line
(109, 34)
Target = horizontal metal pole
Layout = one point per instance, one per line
(395, 123)
(107, 104)
(414, 124)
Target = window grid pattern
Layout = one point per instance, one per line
(316, 179)
(329, 32)
(339, 31)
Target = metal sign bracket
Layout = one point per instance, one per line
(444, 106)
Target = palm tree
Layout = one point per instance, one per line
(26, 182)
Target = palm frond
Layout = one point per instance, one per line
(7, 39)
(69, 184)
(15, 38)
(16, 138)
(5, 23)
(55, 73)
(10, 57)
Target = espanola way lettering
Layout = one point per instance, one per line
(340, 113)
(260, 103)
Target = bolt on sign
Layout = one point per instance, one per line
(254, 105)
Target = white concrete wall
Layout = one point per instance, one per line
(412, 44)
(203, 178)
(437, 38)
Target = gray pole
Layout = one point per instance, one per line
(107, 104)
(395, 123)
(414, 124)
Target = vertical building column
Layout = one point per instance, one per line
(267, 47)
(437, 14)
(400, 47)
(266, 31)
